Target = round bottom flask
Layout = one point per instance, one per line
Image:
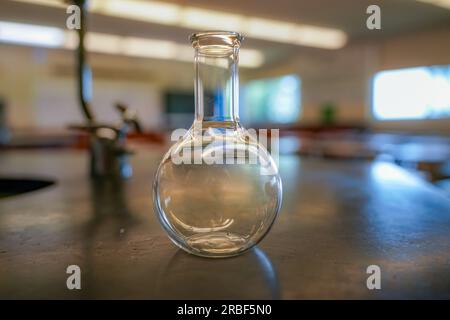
(217, 190)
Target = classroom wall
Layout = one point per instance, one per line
(40, 90)
(343, 77)
(39, 87)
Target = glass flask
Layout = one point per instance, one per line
(217, 190)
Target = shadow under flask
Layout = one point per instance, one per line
(217, 190)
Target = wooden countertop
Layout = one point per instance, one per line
(338, 217)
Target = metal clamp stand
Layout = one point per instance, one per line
(109, 156)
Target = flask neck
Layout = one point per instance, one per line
(216, 80)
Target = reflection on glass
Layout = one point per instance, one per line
(387, 173)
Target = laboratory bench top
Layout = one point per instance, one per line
(338, 220)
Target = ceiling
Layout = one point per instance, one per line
(347, 15)
(397, 17)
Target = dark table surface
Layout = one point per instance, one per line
(338, 217)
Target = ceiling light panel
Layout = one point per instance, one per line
(50, 37)
(440, 3)
(149, 11)
(196, 18)
(28, 34)
(207, 19)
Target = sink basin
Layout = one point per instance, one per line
(15, 186)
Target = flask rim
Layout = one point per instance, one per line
(225, 39)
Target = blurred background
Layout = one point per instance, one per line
(311, 68)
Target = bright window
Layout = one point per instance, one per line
(413, 93)
(273, 100)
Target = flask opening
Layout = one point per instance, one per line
(216, 43)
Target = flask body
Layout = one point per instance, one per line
(217, 195)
